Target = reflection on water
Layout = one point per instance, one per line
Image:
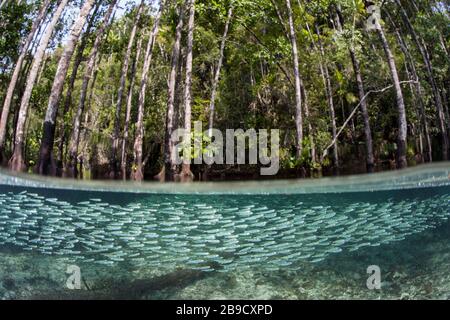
(306, 242)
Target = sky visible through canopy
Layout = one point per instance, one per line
(123, 6)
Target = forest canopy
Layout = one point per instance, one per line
(93, 89)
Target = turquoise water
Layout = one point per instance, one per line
(275, 239)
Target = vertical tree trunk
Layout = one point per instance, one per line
(310, 127)
(445, 98)
(169, 166)
(123, 77)
(137, 172)
(123, 159)
(313, 150)
(17, 162)
(15, 76)
(402, 124)
(20, 87)
(71, 84)
(418, 89)
(71, 171)
(370, 160)
(329, 93)
(417, 130)
(432, 80)
(186, 174)
(212, 103)
(92, 83)
(298, 95)
(44, 165)
(180, 90)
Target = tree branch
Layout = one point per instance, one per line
(325, 152)
(265, 47)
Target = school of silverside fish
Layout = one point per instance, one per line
(218, 233)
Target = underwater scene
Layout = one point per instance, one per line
(325, 239)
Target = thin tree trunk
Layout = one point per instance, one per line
(15, 76)
(180, 90)
(20, 90)
(20, 85)
(212, 104)
(92, 84)
(169, 166)
(434, 87)
(329, 93)
(443, 46)
(91, 119)
(298, 94)
(42, 68)
(186, 174)
(71, 84)
(310, 127)
(417, 131)
(123, 77)
(430, 13)
(418, 89)
(446, 107)
(44, 165)
(17, 162)
(314, 156)
(123, 161)
(370, 160)
(71, 171)
(138, 172)
(402, 124)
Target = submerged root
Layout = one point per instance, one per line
(113, 289)
(186, 174)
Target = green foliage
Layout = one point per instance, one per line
(256, 87)
(15, 23)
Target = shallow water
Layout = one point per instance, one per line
(277, 239)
